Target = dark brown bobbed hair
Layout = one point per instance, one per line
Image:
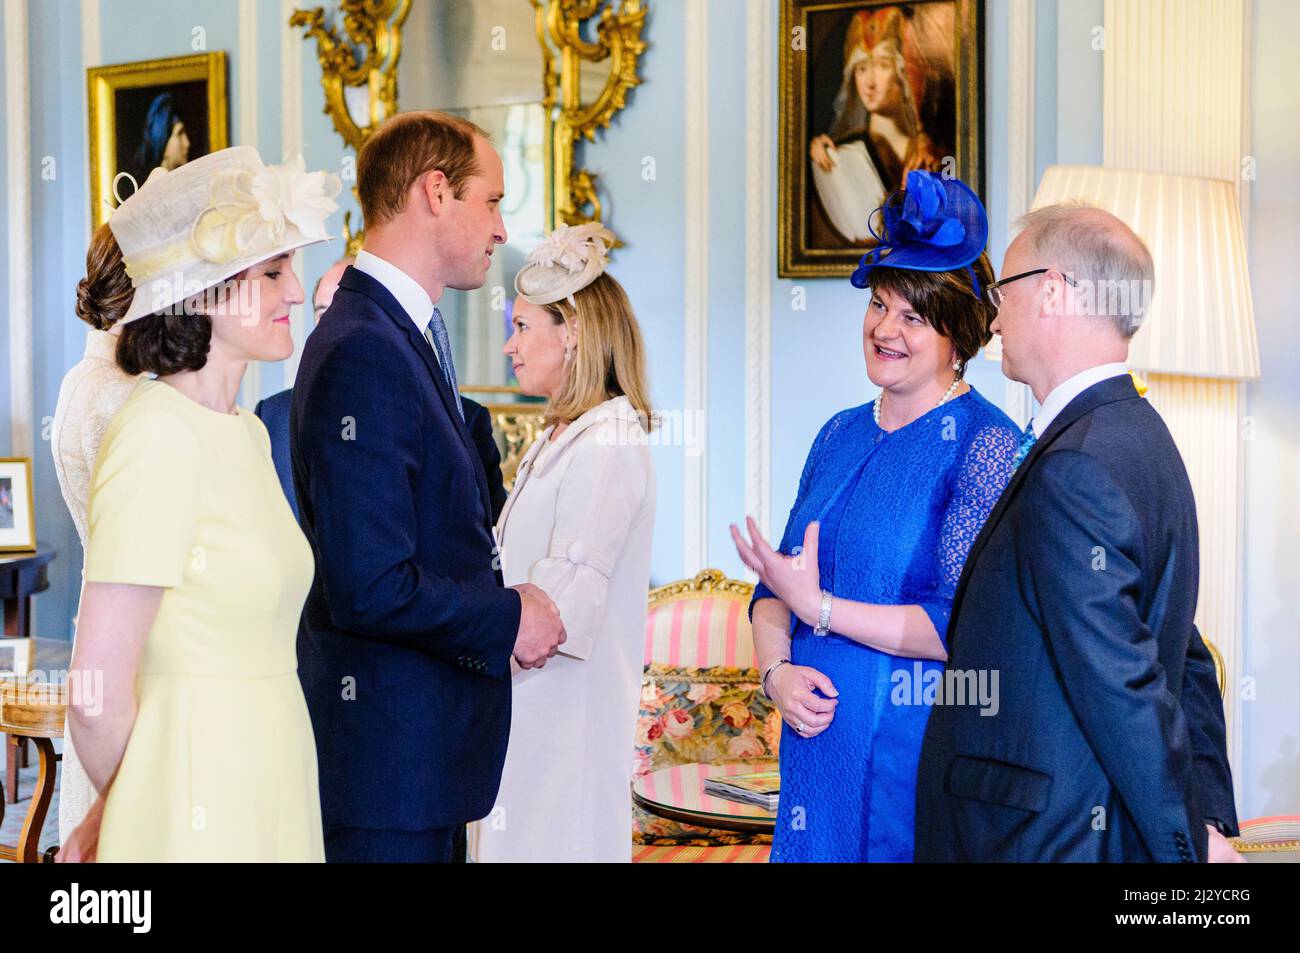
(165, 343)
(104, 295)
(946, 300)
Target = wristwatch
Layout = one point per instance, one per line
(823, 626)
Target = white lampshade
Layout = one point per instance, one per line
(1201, 321)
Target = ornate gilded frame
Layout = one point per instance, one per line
(372, 28)
(573, 198)
(795, 260)
(102, 84)
(366, 53)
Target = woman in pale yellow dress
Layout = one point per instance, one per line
(185, 704)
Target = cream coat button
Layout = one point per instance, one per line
(577, 551)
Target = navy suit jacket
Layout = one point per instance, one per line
(1079, 592)
(406, 635)
(274, 414)
(273, 411)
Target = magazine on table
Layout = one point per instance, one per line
(761, 788)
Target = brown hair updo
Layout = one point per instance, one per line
(105, 293)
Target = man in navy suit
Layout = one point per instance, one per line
(274, 413)
(407, 635)
(1106, 742)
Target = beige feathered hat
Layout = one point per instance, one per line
(567, 260)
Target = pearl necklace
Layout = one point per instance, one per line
(947, 396)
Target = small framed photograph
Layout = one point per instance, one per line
(152, 114)
(15, 657)
(17, 511)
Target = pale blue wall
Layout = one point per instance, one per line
(650, 212)
(59, 215)
(810, 381)
(726, 370)
(5, 442)
(132, 30)
(817, 364)
(1269, 777)
(1079, 84)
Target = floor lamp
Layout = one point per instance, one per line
(1195, 348)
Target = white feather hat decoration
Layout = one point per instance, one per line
(567, 260)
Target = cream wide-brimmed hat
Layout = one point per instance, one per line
(191, 228)
(567, 260)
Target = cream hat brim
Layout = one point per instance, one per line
(160, 294)
(188, 229)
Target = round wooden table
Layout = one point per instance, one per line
(33, 711)
(677, 793)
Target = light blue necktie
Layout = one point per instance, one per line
(435, 332)
(1026, 444)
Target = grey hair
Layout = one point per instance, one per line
(1111, 265)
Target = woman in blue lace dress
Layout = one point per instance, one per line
(892, 496)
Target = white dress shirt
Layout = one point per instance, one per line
(1067, 390)
(415, 301)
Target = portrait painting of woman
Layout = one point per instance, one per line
(164, 139)
(152, 114)
(869, 93)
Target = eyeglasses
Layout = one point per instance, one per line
(994, 291)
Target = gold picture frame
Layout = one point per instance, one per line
(928, 91)
(124, 98)
(17, 506)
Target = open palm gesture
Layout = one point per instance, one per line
(795, 580)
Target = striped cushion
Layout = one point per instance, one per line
(740, 854)
(700, 633)
(1270, 839)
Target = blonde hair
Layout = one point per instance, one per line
(610, 357)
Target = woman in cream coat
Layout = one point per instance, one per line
(579, 525)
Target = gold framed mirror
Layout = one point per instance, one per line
(483, 61)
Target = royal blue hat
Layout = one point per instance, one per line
(934, 224)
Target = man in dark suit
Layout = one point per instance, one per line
(1106, 742)
(407, 635)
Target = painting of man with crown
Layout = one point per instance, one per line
(869, 92)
